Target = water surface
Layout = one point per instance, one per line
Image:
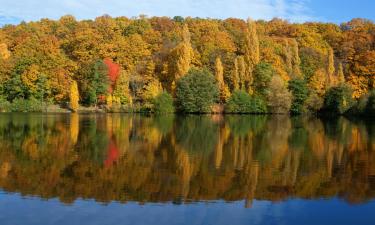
(134, 169)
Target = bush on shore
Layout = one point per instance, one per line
(163, 103)
(338, 100)
(242, 102)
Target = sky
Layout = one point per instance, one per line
(336, 11)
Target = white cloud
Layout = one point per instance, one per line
(292, 10)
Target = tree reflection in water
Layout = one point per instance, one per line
(184, 159)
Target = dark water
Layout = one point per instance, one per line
(123, 169)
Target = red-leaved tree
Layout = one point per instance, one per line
(113, 73)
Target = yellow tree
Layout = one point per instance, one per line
(30, 76)
(318, 82)
(182, 55)
(74, 96)
(252, 51)
(121, 91)
(219, 74)
(296, 61)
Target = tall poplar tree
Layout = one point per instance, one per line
(330, 68)
(74, 96)
(219, 75)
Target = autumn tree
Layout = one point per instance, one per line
(121, 90)
(219, 74)
(113, 70)
(4, 52)
(181, 56)
(74, 96)
(279, 98)
(252, 52)
(330, 68)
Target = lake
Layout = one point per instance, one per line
(212, 169)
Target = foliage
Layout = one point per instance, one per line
(121, 90)
(314, 102)
(197, 91)
(130, 58)
(95, 82)
(4, 105)
(300, 93)
(338, 99)
(74, 96)
(279, 98)
(163, 103)
(113, 73)
(26, 105)
(193, 150)
(263, 74)
(242, 102)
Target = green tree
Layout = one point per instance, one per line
(298, 88)
(95, 82)
(263, 74)
(197, 91)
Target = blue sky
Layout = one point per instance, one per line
(14, 11)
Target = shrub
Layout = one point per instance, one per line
(300, 93)
(197, 91)
(4, 105)
(338, 100)
(26, 105)
(314, 102)
(242, 102)
(163, 103)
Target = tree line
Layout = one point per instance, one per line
(191, 65)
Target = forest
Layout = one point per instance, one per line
(188, 65)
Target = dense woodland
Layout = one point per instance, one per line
(112, 157)
(189, 65)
